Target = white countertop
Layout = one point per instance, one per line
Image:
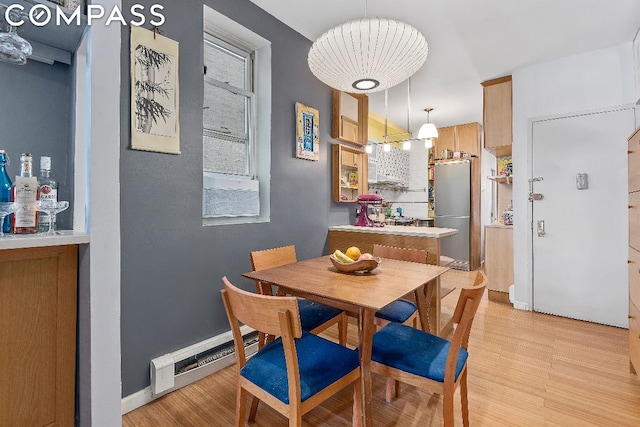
(498, 226)
(67, 237)
(399, 230)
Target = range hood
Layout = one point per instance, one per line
(389, 180)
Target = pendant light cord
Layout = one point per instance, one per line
(385, 114)
(409, 107)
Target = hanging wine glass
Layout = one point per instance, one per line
(13, 48)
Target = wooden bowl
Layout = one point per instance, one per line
(361, 266)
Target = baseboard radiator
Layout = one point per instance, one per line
(180, 368)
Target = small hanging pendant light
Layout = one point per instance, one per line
(428, 131)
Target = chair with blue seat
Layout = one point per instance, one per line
(403, 310)
(427, 361)
(293, 373)
(315, 317)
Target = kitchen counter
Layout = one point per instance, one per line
(498, 226)
(67, 237)
(426, 238)
(398, 230)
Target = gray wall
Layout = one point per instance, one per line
(171, 265)
(36, 117)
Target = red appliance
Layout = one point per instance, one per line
(366, 200)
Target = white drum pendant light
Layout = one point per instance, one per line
(367, 55)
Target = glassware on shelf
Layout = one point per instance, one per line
(52, 209)
(5, 209)
(13, 48)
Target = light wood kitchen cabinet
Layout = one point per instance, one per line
(498, 261)
(634, 250)
(38, 288)
(468, 138)
(349, 129)
(446, 140)
(350, 121)
(350, 173)
(498, 116)
(464, 138)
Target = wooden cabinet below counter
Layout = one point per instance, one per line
(38, 288)
(498, 261)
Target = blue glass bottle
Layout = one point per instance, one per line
(5, 188)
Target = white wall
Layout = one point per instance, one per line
(585, 82)
(414, 201)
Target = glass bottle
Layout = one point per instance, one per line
(48, 191)
(507, 214)
(25, 193)
(5, 188)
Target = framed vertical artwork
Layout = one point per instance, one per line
(155, 118)
(307, 132)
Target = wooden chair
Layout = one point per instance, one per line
(295, 372)
(403, 310)
(427, 361)
(315, 317)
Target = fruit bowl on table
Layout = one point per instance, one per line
(363, 265)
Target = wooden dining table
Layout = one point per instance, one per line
(362, 293)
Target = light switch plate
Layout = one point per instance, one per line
(582, 181)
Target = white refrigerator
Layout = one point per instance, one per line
(453, 209)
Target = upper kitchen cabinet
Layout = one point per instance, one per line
(463, 138)
(350, 117)
(497, 116)
(51, 42)
(349, 173)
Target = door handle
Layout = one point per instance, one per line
(541, 232)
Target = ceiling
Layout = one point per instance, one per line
(470, 41)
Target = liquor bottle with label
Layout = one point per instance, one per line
(25, 193)
(48, 191)
(5, 188)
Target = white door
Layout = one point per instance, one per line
(580, 259)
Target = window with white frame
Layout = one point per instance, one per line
(236, 123)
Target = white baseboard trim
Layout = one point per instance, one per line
(517, 304)
(136, 400)
(521, 306)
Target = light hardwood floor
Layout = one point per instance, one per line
(525, 369)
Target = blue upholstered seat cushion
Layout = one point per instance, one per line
(314, 314)
(415, 351)
(321, 363)
(398, 311)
